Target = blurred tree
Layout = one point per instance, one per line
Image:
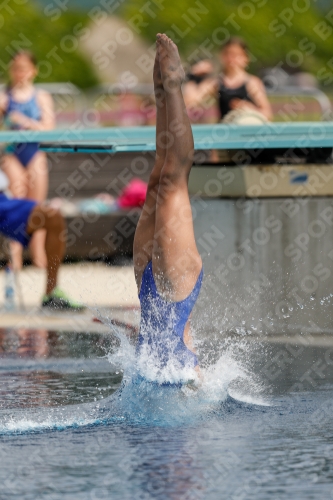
(73, 4)
(286, 33)
(53, 38)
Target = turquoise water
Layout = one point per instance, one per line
(73, 424)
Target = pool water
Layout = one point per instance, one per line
(259, 427)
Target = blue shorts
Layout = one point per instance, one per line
(14, 215)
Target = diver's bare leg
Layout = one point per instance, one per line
(176, 260)
(144, 234)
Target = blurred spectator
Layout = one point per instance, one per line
(199, 91)
(25, 108)
(19, 220)
(237, 89)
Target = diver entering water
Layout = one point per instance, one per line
(167, 264)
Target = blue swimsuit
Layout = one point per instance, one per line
(162, 322)
(23, 151)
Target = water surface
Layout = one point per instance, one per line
(260, 427)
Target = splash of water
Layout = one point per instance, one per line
(150, 395)
(173, 395)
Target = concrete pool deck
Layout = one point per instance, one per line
(107, 291)
(110, 294)
(93, 284)
(69, 322)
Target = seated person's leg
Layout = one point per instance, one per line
(19, 219)
(14, 177)
(51, 220)
(44, 217)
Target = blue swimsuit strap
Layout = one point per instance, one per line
(33, 99)
(10, 95)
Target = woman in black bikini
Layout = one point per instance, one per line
(237, 89)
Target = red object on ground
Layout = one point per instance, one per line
(133, 195)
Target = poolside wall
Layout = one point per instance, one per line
(268, 264)
(266, 258)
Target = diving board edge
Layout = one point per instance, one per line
(218, 136)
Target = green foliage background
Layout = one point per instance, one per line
(263, 42)
(44, 34)
(30, 20)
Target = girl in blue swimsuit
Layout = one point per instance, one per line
(25, 108)
(167, 264)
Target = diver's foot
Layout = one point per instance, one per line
(157, 77)
(171, 67)
(58, 300)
